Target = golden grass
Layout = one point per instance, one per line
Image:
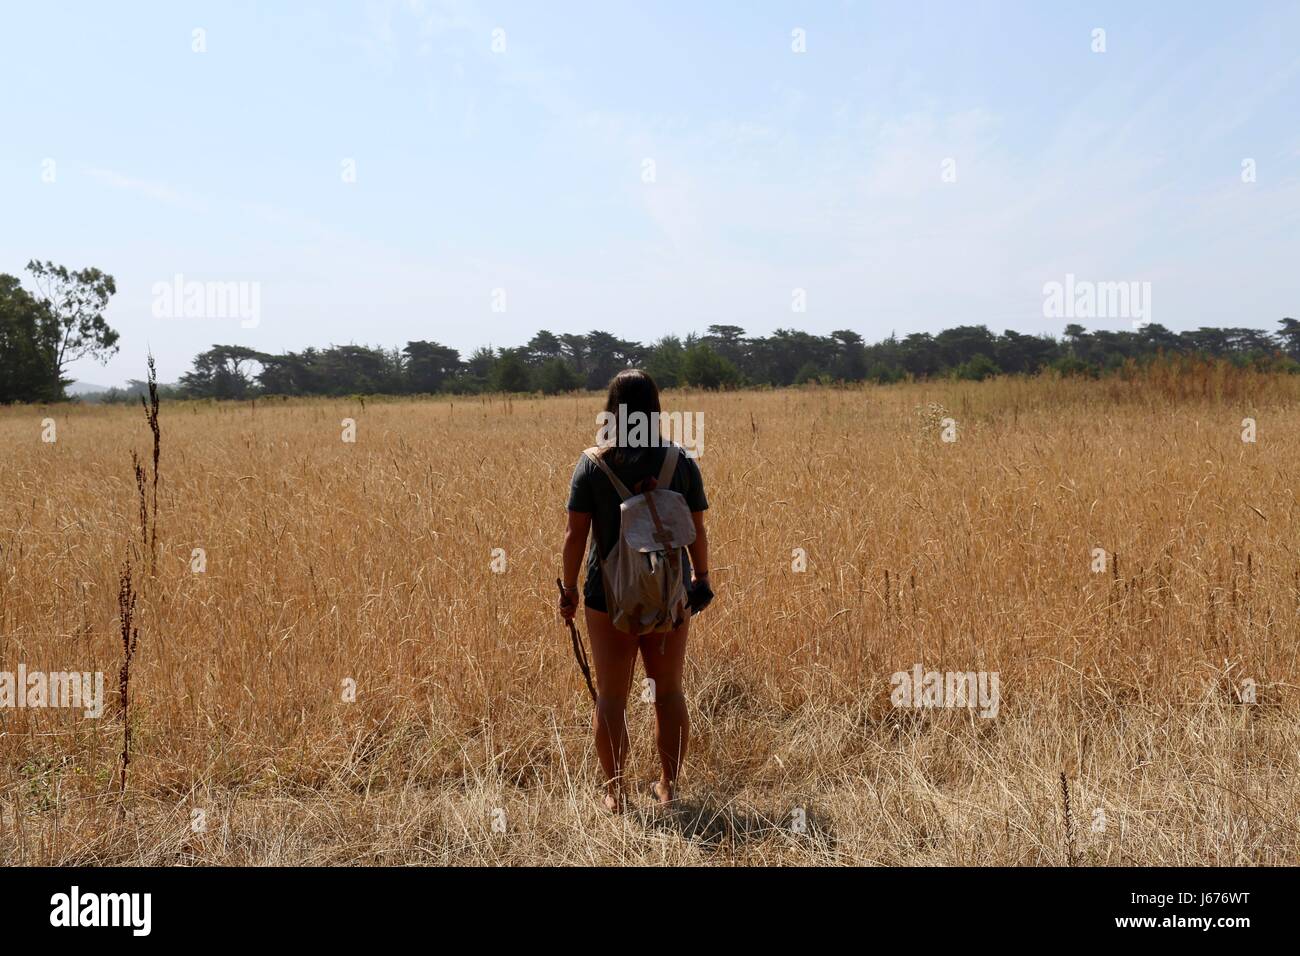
(371, 561)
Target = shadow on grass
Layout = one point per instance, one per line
(718, 824)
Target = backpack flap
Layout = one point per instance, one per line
(656, 521)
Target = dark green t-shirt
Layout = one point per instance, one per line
(591, 493)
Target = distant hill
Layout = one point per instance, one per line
(85, 388)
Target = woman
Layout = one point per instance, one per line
(613, 652)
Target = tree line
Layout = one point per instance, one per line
(42, 332)
(724, 356)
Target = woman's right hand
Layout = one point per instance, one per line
(568, 602)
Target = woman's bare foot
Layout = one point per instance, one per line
(614, 801)
(663, 793)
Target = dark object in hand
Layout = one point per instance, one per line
(698, 596)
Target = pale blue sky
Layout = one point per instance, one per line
(776, 170)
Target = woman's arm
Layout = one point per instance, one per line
(575, 542)
(700, 549)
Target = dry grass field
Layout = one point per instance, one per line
(1160, 693)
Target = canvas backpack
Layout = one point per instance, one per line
(644, 574)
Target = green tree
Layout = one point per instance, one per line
(557, 376)
(1290, 336)
(919, 354)
(1023, 353)
(978, 368)
(779, 357)
(575, 351)
(28, 340)
(664, 361)
(705, 368)
(76, 300)
(286, 374)
(850, 363)
(883, 373)
(429, 365)
(543, 347)
(510, 373)
(477, 373)
(607, 355)
(809, 372)
(729, 342)
(361, 370)
(962, 343)
(219, 373)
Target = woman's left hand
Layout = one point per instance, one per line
(699, 595)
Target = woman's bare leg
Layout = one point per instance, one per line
(613, 655)
(665, 659)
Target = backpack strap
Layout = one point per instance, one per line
(594, 454)
(670, 467)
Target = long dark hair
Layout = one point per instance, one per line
(635, 391)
